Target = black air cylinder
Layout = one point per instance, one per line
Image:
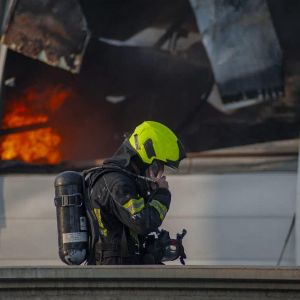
(71, 218)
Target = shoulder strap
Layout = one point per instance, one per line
(93, 225)
(92, 175)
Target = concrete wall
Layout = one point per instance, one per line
(149, 282)
(231, 219)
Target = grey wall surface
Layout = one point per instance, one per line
(231, 219)
(234, 218)
(29, 235)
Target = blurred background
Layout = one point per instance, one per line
(77, 76)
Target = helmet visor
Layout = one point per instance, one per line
(181, 156)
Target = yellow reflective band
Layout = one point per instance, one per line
(161, 209)
(102, 229)
(134, 206)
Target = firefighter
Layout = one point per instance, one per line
(132, 198)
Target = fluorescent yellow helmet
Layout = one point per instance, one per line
(153, 140)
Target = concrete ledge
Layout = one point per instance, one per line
(145, 282)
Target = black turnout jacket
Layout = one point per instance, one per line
(126, 210)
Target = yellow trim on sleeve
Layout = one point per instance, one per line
(160, 208)
(134, 206)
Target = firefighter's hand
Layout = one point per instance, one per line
(162, 182)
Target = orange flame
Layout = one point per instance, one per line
(38, 145)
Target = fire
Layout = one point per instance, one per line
(37, 145)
